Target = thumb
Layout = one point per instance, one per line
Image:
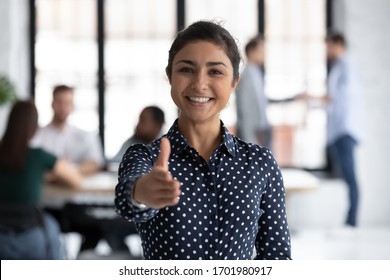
(165, 151)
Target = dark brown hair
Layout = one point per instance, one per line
(157, 114)
(336, 38)
(60, 88)
(206, 31)
(253, 43)
(21, 126)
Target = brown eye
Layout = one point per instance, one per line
(215, 72)
(185, 70)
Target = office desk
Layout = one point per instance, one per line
(89, 211)
(100, 188)
(297, 180)
(96, 189)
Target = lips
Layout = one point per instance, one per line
(199, 99)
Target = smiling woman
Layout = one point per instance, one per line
(201, 83)
(200, 192)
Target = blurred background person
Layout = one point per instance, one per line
(252, 122)
(344, 122)
(67, 141)
(81, 148)
(22, 234)
(343, 102)
(150, 124)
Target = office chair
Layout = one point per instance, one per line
(16, 218)
(95, 222)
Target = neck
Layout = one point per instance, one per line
(339, 54)
(205, 137)
(58, 124)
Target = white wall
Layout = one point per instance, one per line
(367, 29)
(14, 52)
(366, 25)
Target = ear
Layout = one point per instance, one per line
(168, 74)
(235, 82)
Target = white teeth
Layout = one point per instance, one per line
(199, 99)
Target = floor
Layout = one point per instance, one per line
(316, 219)
(367, 243)
(72, 242)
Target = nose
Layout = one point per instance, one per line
(200, 81)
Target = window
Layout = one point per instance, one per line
(239, 17)
(295, 63)
(138, 38)
(66, 53)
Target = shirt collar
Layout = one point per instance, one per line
(179, 143)
(55, 128)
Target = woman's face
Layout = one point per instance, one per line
(201, 81)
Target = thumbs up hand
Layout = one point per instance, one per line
(158, 189)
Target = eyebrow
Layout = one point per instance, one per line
(208, 64)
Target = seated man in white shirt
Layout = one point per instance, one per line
(66, 141)
(81, 148)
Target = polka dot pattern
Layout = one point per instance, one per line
(230, 206)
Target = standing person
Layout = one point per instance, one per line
(149, 126)
(66, 141)
(21, 180)
(199, 192)
(252, 121)
(344, 117)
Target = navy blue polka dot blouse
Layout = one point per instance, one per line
(232, 207)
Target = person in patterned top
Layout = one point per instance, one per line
(199, 192)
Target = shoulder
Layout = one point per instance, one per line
(81, 135)
(245, 74)
(260, 160)
(39, 153)
(76, 131)
(346, 63)
(45, 128)
(139, 157)
(36, 151)
(142, 151)
(132, 141)
(41, 134)
(242, 145)
(253, 151)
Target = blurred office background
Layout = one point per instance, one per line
(114, 53)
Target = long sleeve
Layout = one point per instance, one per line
(247, 110)
(273, 238)
(251, 105)
(345, 109)
(228, 205)
(95, 150)
(122, 151)
(136, 163)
